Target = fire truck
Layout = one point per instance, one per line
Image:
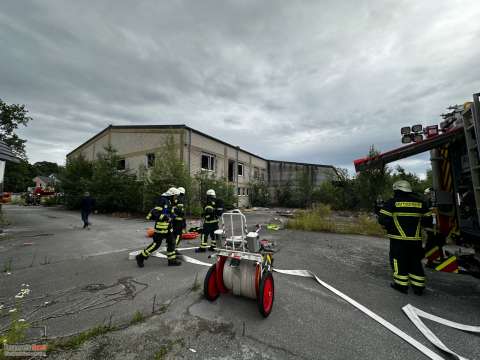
(454, 146)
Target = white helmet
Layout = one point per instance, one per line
(181, 190)
(173, 191)
(211, 192)
(402, 185)
(427, 191)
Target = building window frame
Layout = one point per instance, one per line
(241, 169)
(209, 162)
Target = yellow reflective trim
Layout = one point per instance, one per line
(395, 267)
(397, 225)
(401, 277)
(413, 282)
(432, 251)
(407, 214)
(399, 237)
(429, 213)
(417, 232)
(409, 204)
(416, 277)
(403, 283)
(385, 212)
(446, 263)
(145, 253)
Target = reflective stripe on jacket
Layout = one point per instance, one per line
(403, 217)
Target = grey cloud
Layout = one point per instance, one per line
(311, 81)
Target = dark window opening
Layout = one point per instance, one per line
(150, 160)
(121, 165)
(231, 168)
(208, 162)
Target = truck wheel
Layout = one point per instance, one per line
(210, 288)
(266, 294)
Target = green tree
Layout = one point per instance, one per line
(18, 177)
(45, 168)
(114, 189)
(304, 189)
(286, 195)
(76, 178)
(224, 190)
(259, 194)
(168, 170)
(11, 116)
(372, 183)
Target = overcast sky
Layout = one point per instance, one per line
(311, 81)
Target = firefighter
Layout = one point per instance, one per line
(211, 212)
(403, 217)
(179, 222)
(162, 214)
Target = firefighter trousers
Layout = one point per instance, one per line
(406, 261)
(209, 231)
(177, 232)
(157, 241)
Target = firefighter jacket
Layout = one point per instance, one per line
(179, 211)
(403, 217)
(210, 212)
(162, 215)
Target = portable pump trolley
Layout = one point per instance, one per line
(242, 266)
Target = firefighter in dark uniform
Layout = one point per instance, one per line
(403, 217)
(162, 214)
(212, 210)
(179, 222)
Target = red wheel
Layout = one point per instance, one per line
(220, 265)
(266, 294)
(210, 288)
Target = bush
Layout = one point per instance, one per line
(320, 219)
(224, 190)
(113, 189)
(259, 194)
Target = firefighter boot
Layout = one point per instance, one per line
(174, 262)
(200, 249)
(140, 260)
(418, 291)
(402, 289)
(211, 248)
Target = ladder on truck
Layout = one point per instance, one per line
(471, 125)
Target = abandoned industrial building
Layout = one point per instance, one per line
(138, 145)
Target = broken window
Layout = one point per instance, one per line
(150, 160)
(208, 162)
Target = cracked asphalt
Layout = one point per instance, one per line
(83, 278)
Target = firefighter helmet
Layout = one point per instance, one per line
(181, 190)
(211, 192)
(427, 191)
(402, 185)
(173, 191)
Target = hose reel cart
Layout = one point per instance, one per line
(242, 266)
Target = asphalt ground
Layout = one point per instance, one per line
(82, 278)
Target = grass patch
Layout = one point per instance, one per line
(165, 349)
(137, 318)
(78, 340)
(321, 219)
